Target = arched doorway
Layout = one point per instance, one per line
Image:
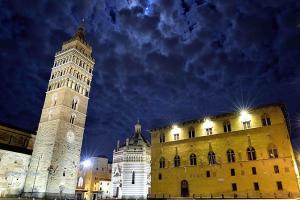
(184, 188)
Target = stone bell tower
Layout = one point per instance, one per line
(56, 155)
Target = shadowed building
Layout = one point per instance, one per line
(131, 167)
(56, 154)
(15, 153)
(242, 154)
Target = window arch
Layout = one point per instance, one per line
(230, 156)
(176, 161)
(80, 182)
(162, 162)
(75, 103)
(272, 151)
(193, 159)
(191, 132)
(211, 158)
(251, 153)
(265, 120)
(72, 118)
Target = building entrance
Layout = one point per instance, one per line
(184, 188)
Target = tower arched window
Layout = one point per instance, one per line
(193, 159)
(191, 132)
(72, 118)
(162, 162)
(273, 151)
(251, 153)
(230, 156)
(162, 138)
(133, 177)
(176, 161)
(227, 126)
(211, 158)
(266, 120)
(75, 103)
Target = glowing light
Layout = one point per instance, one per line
(175, 130)
(86, 163)
(245, 116)
(207, 123)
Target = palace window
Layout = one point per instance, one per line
(246, 125)
(265, 120)
(159, 176)
(176, 136)
(276, 169)
(256, 186)
(176, 161)
(162, 162)
(162, 138)
(232, 172)
(191, 132)
(227, 126)
(133, 178)
(193, 159)
(211, 158)
(254, 170)
(251, 153)
(234, 187)
(272, 151)
(279, 185)
(208, 131)
(230, 156)
(207, 174)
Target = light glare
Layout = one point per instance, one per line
(86, 163)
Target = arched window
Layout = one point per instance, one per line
(133, 177)
(193, 159)
(227, 126)
(75, 102)
(251, 153)
(211, 158)
(230, 155)
(273, 151)
(265, 120)
(176, 161)
(191, 132)
(80, 182)
(72, 118)
(162, 162)
(162, 138)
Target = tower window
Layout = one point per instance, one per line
(272, 151)
(256, 186)
(211, 158)
(176, 161)
(64, 173)
(191, 132)
(208, 131)
(266, 120)
(176, 136)
(162, 163)
(162, 138)
(276, 169)
(234, 187)
(230, 156)
(193, 159)
(75, 103)
(254, 170)
(133, 177)
(227, 126)
(72, 118)
(246, 125)
(232, 172)
(251, 153)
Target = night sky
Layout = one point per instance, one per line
(159, 61)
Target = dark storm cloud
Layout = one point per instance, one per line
(158, 61)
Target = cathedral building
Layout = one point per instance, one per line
(94, 178)
(55, 159)
(245, 154)
(131, 167)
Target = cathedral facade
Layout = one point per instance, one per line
(246, 154)
(131, 167)
(55, 159)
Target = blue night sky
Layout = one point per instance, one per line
(159, 61)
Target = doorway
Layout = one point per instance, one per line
(184, 188)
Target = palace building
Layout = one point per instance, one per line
(131, 167)
(245, 154)
(55, 158)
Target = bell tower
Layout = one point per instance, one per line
(56, 155)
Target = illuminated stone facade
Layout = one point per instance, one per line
(242, 154)
(93, 173)
(56, 154)
(131, 167)
(15, 153)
